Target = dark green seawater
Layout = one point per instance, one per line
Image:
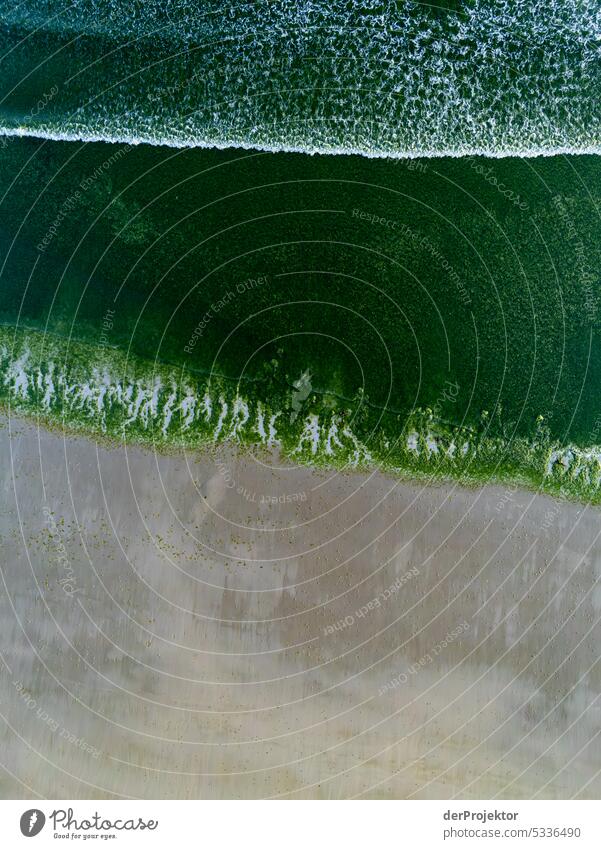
(173, 272)
(461, 294)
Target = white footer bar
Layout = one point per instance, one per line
(302, 824)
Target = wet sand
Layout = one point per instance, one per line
(219, 627)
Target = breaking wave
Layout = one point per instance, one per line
(379, 78)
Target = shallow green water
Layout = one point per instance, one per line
(455, 299)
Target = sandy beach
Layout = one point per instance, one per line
(224, 626)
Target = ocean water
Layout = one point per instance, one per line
(412, 305)
(379, 77)
(434, 318)
(117, 397)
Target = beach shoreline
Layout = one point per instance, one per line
(210, 626)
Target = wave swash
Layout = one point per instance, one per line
(125, 398)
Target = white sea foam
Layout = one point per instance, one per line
(221, 420)
(311, 434)
(413, 442)
(431, 445)
(332, 440)
(261, 423)
(168, 409)
(188, 407)
(144, 405)
(240, 415)
(377, 78)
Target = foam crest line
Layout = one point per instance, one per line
(494, 77)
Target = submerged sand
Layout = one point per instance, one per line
(226, 626)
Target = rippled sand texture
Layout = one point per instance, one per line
(218, 627)
(379, 78)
